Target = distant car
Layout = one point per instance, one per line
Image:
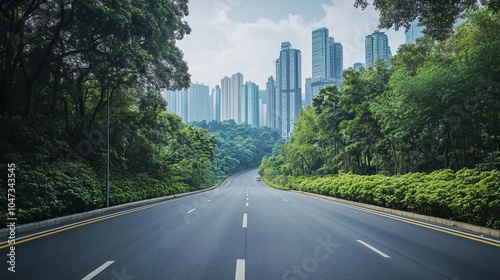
(258, 179)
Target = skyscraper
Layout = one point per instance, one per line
(336, 61)
(321, 60)
(177, 103)
(271, 102)
(357, 65)
(236, 97)
(320, 55)
(414, 32)
(327, 61)
(289, 72)
(251, 106)
(224, 98)
(198, 103)
(377, 47)
(215, 104)
(308, 93)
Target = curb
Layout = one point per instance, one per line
(431, 219)
(82, 217)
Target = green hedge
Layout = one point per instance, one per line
(468, 195)
(63, 188)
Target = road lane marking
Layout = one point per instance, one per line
(285, 199)
(98, 270)
(209, 200)
(247, 198)
(191, 210)
(240, 270)
(374, 249)
(247, 204)
(245, 220)
(274, 194)
(442, 229)
(78, 224)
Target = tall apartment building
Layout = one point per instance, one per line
(414, 32)
(308, 93)
(177, 103)
(215, 105)
(198, 103)
(336, 61)
(377, 47)
(250, 106)
(225, 92)
(327, 60)
(271, 103)
(236, 98)
(289, 87)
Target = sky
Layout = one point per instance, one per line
(230, 36)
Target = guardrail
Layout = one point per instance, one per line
(85, 216)
(431, 219)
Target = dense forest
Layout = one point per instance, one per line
(437, 106)
(240, 146)
(62, 65)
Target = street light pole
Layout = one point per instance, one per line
(107, 151)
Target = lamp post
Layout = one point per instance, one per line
(107, 150)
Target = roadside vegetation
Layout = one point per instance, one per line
(421, 135)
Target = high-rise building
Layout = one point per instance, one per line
(262, 107)
(357, 65)
(198, 103)
(336, 61)
(327, 60)
(414, 32)
(308, 93)
(215, 103)
(271, 103)
(251, 104)
(262, 113)
(177, 103)
(289, 80)
(377, 47)
(225, 92)
(320, 55)
(236, 98)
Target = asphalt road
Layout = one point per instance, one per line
(246, 230)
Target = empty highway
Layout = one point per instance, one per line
(246, 230)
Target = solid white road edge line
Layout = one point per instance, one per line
(374, 249)
(401, 218)
(245, 220)
(240, 270)
(98, 270)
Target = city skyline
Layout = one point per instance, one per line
(240, 36)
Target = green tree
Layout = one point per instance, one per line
(437, 16)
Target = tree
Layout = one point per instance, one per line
(438, 16)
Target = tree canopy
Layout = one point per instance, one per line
(438, 16)
(436, 107)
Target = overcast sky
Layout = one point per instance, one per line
(230, 36)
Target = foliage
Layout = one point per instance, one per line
(467, 195)
(435, 108)
(438, 16)
(62, 64)
(239, 146)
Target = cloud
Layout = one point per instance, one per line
(221, 44)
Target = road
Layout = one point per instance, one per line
(246, 230)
